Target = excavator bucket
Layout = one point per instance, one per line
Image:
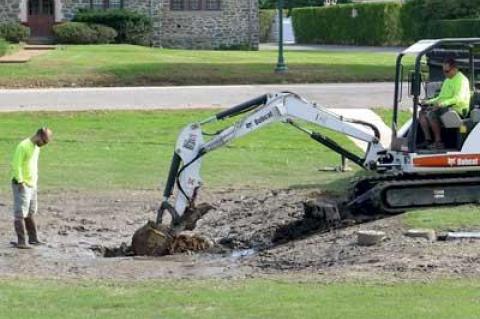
(156, 239)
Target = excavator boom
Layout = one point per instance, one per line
(257, 113)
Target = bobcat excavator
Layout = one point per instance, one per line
(406, 177)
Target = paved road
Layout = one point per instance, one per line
(351, 95)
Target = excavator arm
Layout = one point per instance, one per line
(267, 109)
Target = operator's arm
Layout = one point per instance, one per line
(17, 163)
(439, 96)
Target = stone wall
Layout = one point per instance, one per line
(70, 7)
(9, 10)
(235, 26)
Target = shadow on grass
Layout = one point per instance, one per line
(242, 73)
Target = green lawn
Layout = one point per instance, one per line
(448, 218)
(107, 65)
(132, 150)
(238, 299)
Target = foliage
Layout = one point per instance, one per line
(3, 47)
(14, 32)
(461, 28)
(289, 4)
(358, 24)
(132, 27)
(419, 17)
(83, 33)
(266, 20)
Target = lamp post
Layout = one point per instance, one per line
(281, 66)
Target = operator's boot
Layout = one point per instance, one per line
(32, 231)
(20, 230)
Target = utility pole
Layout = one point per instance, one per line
(281, 66)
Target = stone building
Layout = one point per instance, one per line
(203, 24)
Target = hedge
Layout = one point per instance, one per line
(132, 27)
(354, 24)
(82, 33)
(14, 32)
(462, 28)
(266, 21)
(420, 16)
(3, 47)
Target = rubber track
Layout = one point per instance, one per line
(374, 189)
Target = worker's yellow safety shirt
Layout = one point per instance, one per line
(455, 92)
(25, 163)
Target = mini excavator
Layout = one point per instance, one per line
(405, 176)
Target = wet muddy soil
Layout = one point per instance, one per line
(258, 233)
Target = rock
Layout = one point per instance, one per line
(370, 237)
(428, 234)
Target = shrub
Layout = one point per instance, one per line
(14, 32)
(358, 24)
(3, 47)
(461, 28)
(418, 15)
(266, 20)
(132, 27)
(104, 34)
(413, 20)
(82, 33)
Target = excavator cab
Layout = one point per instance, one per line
(425, 80)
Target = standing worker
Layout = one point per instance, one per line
(24, 186)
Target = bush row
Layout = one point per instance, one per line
(14, 32)
(358, 24)
(266, 21)
(461, 28)
(83, 33)
(131, 27)
(3, 47)
(384, 23)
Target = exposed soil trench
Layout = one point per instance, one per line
(257, 233)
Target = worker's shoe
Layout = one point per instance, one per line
(32, 231)
(20, 230)
(424, 144)
(436, 146)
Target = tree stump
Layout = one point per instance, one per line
(158, 240)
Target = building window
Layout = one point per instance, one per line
(195, 5)
(212, 4)
(106, 4)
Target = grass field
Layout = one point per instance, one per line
(132, 150)
(238, 299)
(443, 219)
(108, 65)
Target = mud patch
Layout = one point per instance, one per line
(259, 231)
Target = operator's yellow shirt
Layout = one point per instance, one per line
(25, 163)
(455, 92)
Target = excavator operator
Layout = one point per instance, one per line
(454, 94)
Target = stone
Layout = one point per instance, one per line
(370, 237)
(428, 234)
